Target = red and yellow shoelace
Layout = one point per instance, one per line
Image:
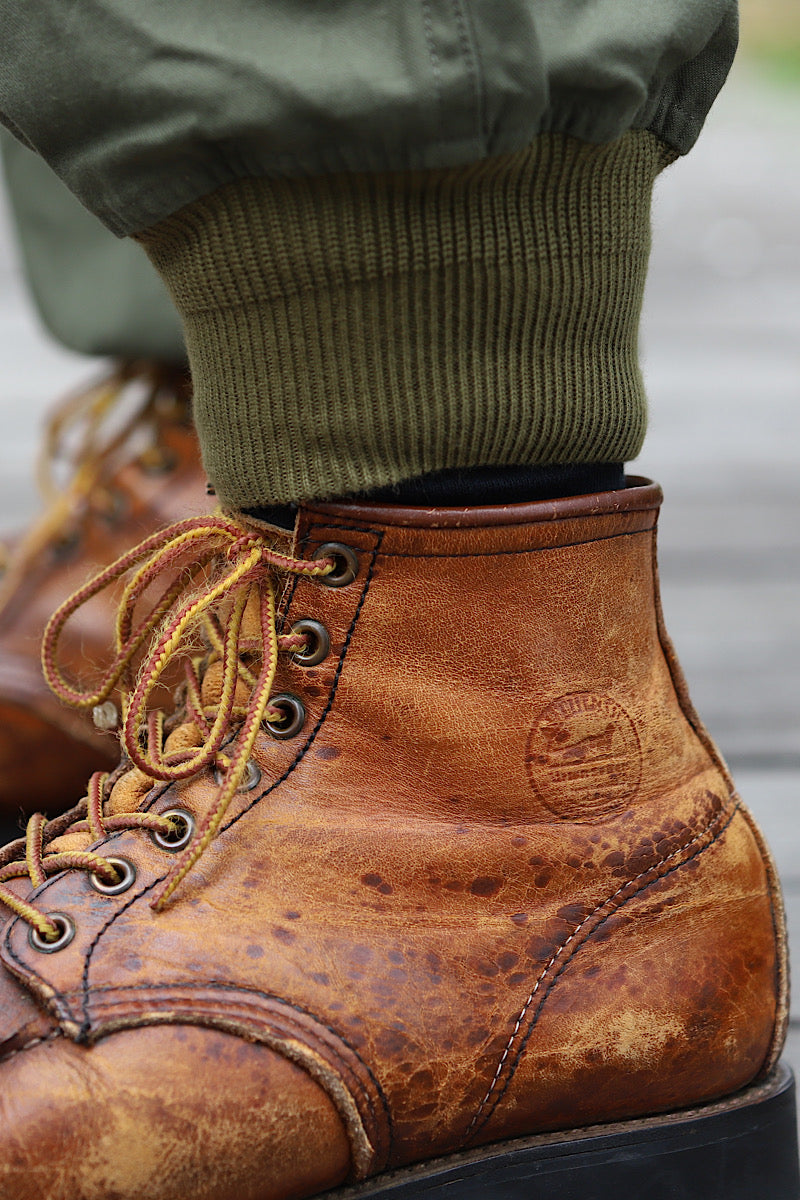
(200, 565)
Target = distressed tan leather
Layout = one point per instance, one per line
(152, 478)
(499, 883)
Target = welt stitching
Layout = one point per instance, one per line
(642, 887)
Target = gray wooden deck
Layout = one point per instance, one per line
(722, 362)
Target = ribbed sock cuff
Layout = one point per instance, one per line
(346, 332)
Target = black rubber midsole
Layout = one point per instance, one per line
(741, 1148)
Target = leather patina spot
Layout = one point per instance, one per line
(584, 757)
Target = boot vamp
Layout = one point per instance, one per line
(160, 1110)
(402, 953)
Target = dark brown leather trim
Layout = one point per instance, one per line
(640, 495)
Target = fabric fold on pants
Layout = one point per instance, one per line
(142, 107)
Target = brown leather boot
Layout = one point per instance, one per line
(133, 466)
(438, 873)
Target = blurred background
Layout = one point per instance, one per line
(721, 352)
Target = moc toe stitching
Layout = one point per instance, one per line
(290, 1029)
(66, 1005)
(29, 1045)
(120, 1128)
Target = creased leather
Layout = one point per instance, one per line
(499, 884)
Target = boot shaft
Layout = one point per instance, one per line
(501, 664)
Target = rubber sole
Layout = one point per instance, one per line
(740, 1148)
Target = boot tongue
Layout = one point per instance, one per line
(127, 795)
(130, 790)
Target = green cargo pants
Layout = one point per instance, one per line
(142, 106)
(402, 237)
(94, 292)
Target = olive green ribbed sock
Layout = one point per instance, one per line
(346, 332)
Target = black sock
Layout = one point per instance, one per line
(473, 487)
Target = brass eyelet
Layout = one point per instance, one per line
(318, 642)
(346, 567)
(183, 835)
(250, 779)
(295, 716)
(127, 872)
(66, 926)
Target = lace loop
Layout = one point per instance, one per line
(224, 566)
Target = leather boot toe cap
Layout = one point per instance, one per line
(167, 1112)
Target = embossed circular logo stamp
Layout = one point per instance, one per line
(584, 757)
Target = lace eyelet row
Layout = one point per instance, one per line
(184, 825)
(315, 648)
(318, 641)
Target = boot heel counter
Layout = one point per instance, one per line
(761, 847)
(782, 967)
(677, 997)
